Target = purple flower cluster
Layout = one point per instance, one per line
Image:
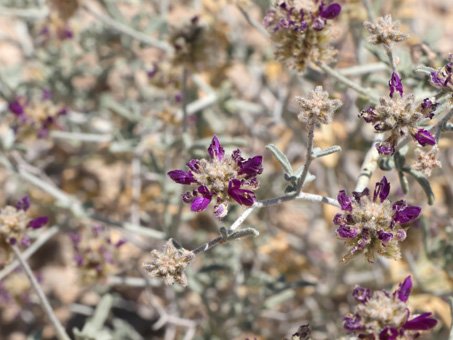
(386, 317)
(14, 224)
(372, 225)
(302, 19)
(222, 179)
(95, 254)
(39, 114)
(300, 34)
(399, 116)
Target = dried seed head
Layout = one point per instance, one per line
(170, 264)
(317, 108)
(385, 31)
(426, 161)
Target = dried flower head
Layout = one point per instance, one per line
(198, 47)
(371, 225)
(426, 161)
(95, 254)
(399, 115)
(302, 31)
(37, 114)
(317, 108)
(386, 317)
(15, 289)
(222, 179)
(385, 31)
(14, 224)
(442, 77)
(170, 264)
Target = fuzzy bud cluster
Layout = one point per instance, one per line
(170, 264)
(223, 179)
(371, 225)
(14, 223)
(386, 317)
(302, 31)
(198, 47)
(442, 78)
(317, 108)
(399, 115)
(385, 31)
(95, 255)
(426, 161)
(36, 114)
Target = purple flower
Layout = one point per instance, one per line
(16, 108)
(182, 177)
(407, 214)
(385, 148)
(345, 231)
(388, 333)
(368, 115)
(395, 84)
(352, 324)
(251, 167)
(153, 72)
(424, 138)
(23, 204)
(215, 150)
(359, 195)
(200, 203)
(242, 196)
(345, 201)
(422, 322)
(382, 189)
(384, 237)
(428, 107)
(331, 12)
(338, 219)
(404, 289)
(361, 294)
(38, 222)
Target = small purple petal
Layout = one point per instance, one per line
(382, 189)
(428, 107)
(338, 219)
(345, 201)
(359, 195)
(251, 167)
(400, 235)
(215, 150)
(331, 12)
(242, 196)
(153, 72)
(436, 79)
(319, 24)
(182, 177)
(388, 333)
(395, 84)
(46, 94)
(38, 222)
(78, 259)
(23, 204)
(194, 165)
(404, 289)
(16, 108)
(407, 214)
(385, 148)
(12, 241)
(200, 203)
(424, 138)
(346, 231)
(220, 210)
(368, 115)
(120, 243)
(421, 323)
(75, 238)
(361, 294)
(385, 237)
(352, 324)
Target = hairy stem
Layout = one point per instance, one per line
(61, 333)
(308, 158)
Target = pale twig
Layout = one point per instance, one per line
(185, 74)
(122, 28)
(450, 299)
(356, 87)
(253, 22)
(60, 331)
(369, 10)
(198, 105)
(442, 123)
(362, 69)
(27, 13)
(43, 238)
(136, 182)
(389, 53)
(369, 164)
(81, 137)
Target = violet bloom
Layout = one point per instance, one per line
(14, 223)
(399, 116)
(223, 179)
(442, 78)
(372, 224)
(385, 316)
(36, 113)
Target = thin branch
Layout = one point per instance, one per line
(341, 78)
(61, 333)
(185, 74)
(253, 22)
(369, 165)
(308, 157)
(122, 28)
